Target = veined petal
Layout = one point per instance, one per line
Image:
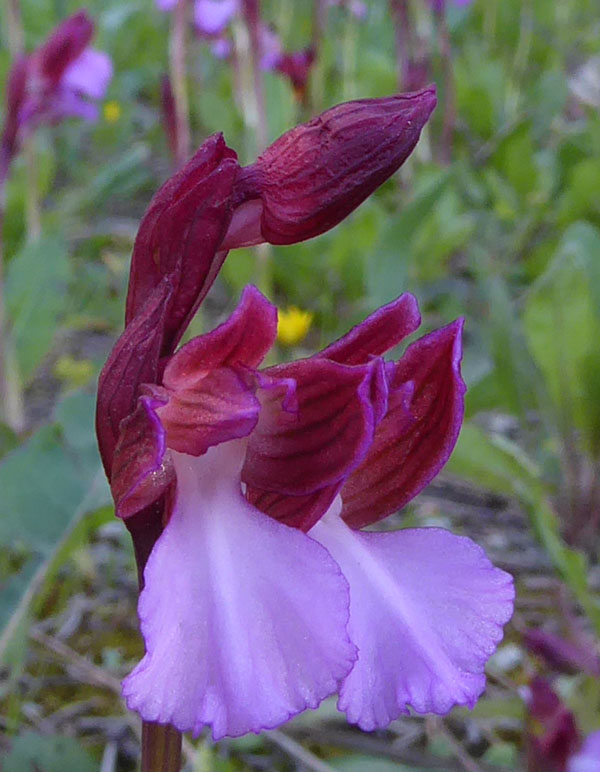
(313, 176)
(298, 453)
(180, 235)
(221, 407)
(140, 472)
(133, 361)
(426, 612)
(244, 339)
(378, 333)
(296, 511)
(244, 619)
(418, 433)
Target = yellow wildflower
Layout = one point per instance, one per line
(73, 372)
(292, 325)
(112, 111)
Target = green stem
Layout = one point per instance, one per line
(33, 217)
(178, 71)
(161, 748)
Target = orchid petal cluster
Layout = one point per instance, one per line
(246, 489)
(63, 78)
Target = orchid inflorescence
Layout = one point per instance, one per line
(246, 490)
(60, 79)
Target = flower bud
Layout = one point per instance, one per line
(314, 175)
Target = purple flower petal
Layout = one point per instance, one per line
(133, 361)
(426, 612)
(588, 757)
(212, 16)
(244, 339)
(418, 433)
(378, 333)
(180, 235)
(219, 407)
(317, 173)
(244, 619)
(141, 470)
(298, 453)
(89, 74)
(166, 5)
(65, 44)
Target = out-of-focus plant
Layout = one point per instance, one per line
(61, 79)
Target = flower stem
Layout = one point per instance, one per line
(255, 117)
(449, 115)
(178, 69)
(402, 40)
(161, 748)
(33, 217)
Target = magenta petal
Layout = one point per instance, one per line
(587, 759)
(65, 44)
(212, 16)
(89, 74)
(244, 619)
(220, 407)
(313, 176)
(180, 235)
(379, 332)
(140, 472)
(298, 453)
(426, 612)
(296, 511)
(244, 339)
(418, 433)
(133, 361)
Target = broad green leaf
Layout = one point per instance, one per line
(32, 752)
(389, 266)
(493, 462)
(35, 290)
(515, 158)
(47, 485)
(562, 324)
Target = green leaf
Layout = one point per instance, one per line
(562, 324)
(47, 485)
(388, 266)
(35, 290)
(360, 763)
(8, 439)
(32, 752)
(493, 462)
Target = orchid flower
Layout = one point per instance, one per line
(245, 489)
(62, 78)
(261, 596)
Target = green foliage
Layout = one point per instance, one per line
(39, 753)
(562, 324)
(48, 485)
(35, 293)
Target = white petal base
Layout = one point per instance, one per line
(244, 618)
(427, 609)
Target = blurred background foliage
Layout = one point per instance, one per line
(499, 223)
